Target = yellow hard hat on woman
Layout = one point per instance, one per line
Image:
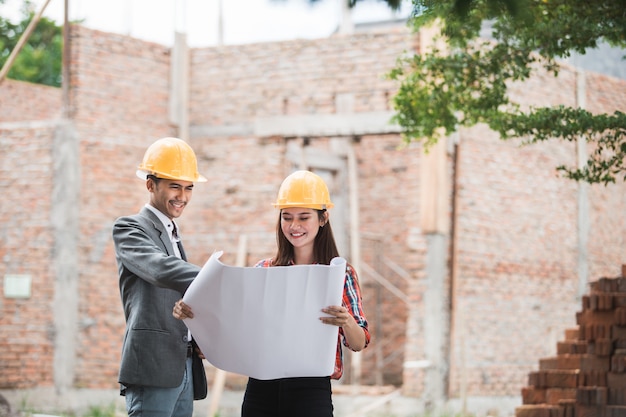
(170, 159)
(303, 189)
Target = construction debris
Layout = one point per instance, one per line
(587, 378)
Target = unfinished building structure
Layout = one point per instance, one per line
(460, 251)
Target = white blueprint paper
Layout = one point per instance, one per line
(264, 322)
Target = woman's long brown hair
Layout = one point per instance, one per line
(324, 247)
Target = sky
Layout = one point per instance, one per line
(244, 21)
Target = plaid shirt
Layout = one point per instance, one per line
(351, 300)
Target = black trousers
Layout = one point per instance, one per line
(288, 397)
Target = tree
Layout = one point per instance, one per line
(393, 4)
(441, 92)
(40, 60)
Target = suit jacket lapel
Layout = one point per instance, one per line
(164, 236)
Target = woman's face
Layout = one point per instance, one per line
(300, 226)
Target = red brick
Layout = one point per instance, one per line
(571, 334)
(601, 347)
(617, 396)
(590, 411)
(555, 396)
(591, 395)
(589, 317)
(537, 411)
(532, 395)
(618, 331)
(592, 379)
(615, 411)
(616, 380)
(595, 363)
(561, 379)
(571, 347)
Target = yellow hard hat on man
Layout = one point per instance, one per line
(171, 159)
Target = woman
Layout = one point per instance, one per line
(304, 237)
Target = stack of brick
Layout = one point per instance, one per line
(587, 378)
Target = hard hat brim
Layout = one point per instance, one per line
(301, 205)
(142, 174)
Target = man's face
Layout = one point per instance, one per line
(170, 196)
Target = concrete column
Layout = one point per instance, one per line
(346, 25)
(435, 224)
(436, 322)
(179, 90)
(583, 197)
(65, 226)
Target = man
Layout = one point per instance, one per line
(159, 359)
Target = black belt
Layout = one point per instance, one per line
(189, 349)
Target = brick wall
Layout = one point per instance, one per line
(515, 219)
(517, 245)
(22, 101)
(120, 90)
(516, 259)
(234, 84)
(25, 242)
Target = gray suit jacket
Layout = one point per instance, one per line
(151, 280)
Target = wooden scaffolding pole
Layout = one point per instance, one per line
(22, 41)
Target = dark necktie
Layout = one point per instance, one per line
(178, 242)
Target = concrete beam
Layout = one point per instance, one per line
(221, 131)
(307, 125)
(310, 125)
